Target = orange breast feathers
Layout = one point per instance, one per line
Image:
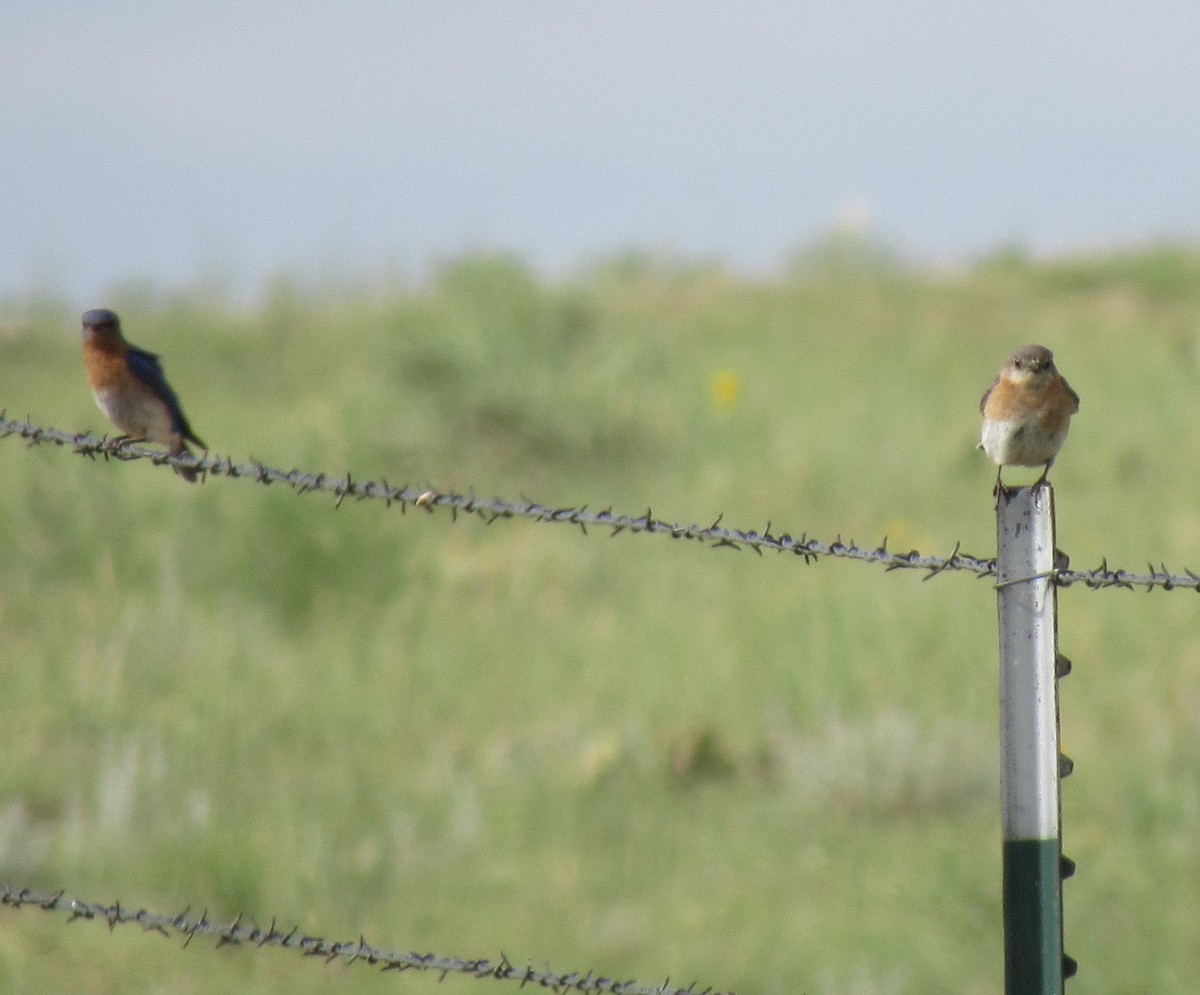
(104, 363)
(1051, 404)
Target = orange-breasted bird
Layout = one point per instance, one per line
(131, 389)
(1026, 412)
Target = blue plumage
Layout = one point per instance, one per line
(148, 369)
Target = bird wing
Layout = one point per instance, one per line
(1074, 396)
(148, 369)
(986, 394)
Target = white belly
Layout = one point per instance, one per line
(1019, 443)
(137, 415)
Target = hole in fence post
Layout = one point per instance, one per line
(1029, 741)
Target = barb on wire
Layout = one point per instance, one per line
(240, 931)
(431, 499)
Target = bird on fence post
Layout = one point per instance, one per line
(1026, 412)
(131, 389)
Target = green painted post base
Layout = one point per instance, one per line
(1033, 958)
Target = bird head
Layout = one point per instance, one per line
(1030, 363)
(100, 323)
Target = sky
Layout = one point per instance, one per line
(171, 143)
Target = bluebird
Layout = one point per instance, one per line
(131, 389)
(1026, 412)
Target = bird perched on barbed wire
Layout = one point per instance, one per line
(131, 389)
(1026, 412)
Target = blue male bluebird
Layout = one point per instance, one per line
(131, 389)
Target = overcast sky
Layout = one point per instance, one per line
(146, 140)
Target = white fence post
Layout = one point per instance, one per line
(1029, 743)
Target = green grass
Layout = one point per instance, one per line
(626, 754)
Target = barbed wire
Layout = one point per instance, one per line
(431, 499)
(240, 932)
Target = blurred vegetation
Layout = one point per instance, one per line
(628, 755)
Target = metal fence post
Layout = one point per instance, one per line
(1030, 762)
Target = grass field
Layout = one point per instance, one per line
(629, 755)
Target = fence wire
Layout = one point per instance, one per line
(240, 932)
(432, 499)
